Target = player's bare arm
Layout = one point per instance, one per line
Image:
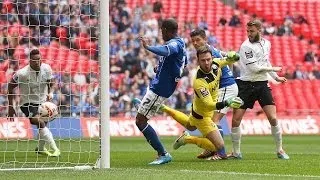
(50, 83)
(11, 111)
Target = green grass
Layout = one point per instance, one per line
(130, 158)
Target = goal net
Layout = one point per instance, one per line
(66, 34)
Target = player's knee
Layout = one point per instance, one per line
(36, 121)
(141, 120)
(236, 122)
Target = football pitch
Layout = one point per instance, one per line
(130, 158)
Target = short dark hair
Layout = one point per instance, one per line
(255, 22)
(198, 32)
(34, 52)
(170, 24)
(204, 49)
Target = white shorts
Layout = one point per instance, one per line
(150, 104)
(226, 93)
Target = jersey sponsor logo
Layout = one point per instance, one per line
(174, 44)
(204, 92)
(249, 54)
(214, 67)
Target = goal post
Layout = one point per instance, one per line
(104, 81)
(72, 37)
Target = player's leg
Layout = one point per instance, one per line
(267, 103)
(224, 94)
(29, 112)
(211, 131)
(45, 135)
(249, 98)
(201, 142)
(236, 132)
(148, 107)
(180, 117)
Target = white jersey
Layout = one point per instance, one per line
(33, 85)
(254, 56)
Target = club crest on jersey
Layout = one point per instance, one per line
(249, 54)
(204, 92)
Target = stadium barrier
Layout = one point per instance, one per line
(165, 126)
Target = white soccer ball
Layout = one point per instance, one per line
(48, 111)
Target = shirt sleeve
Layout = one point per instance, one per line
(165, 50)
(49, 74)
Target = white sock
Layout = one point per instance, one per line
(41, 142)
(236, 139)
(276, 133)
(47, 136)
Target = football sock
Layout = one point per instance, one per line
(276, 133)
(176, 115)
(203, 143)
(46, 134)
(153, 139)
(41, 142)
(236, 139)
(220, 130)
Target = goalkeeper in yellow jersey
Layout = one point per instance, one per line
(205, 85)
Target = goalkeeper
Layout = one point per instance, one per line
(205, 85)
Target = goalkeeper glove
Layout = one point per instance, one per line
(234, 102)
(232, 56)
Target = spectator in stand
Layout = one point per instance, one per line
(157, 6)
(270, 29)
(288, 17)
(309, 56)
(288, 73)
(222, 21)
(299, 73)
(285, 29)
(316, 72)
(212, 39)
(203, 23)
(235, 20)
(299, 19)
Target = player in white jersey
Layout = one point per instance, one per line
(34, 82)
(253, 86)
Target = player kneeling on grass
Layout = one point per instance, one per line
(206, 85)
(34, 82)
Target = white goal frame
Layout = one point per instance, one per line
(104, 100)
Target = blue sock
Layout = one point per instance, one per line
(222, 151)
(220, 130)
(153, 139)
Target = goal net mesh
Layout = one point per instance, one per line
(66, 33)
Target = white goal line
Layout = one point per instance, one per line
(220, 172)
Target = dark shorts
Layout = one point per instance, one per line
(30, 109)
(250, 92)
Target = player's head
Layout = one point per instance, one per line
(169, 29)
(204, 55)
(198, 38)
(254, 30)
(35, 59)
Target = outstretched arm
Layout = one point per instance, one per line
(163, 50)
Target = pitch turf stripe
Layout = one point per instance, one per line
(220, 172)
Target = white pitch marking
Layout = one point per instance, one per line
(222, 172)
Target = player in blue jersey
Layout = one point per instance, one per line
(227, 86)
(169, 70)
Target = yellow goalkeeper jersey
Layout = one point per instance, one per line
(206, 86)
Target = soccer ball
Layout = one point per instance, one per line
(48, 111)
